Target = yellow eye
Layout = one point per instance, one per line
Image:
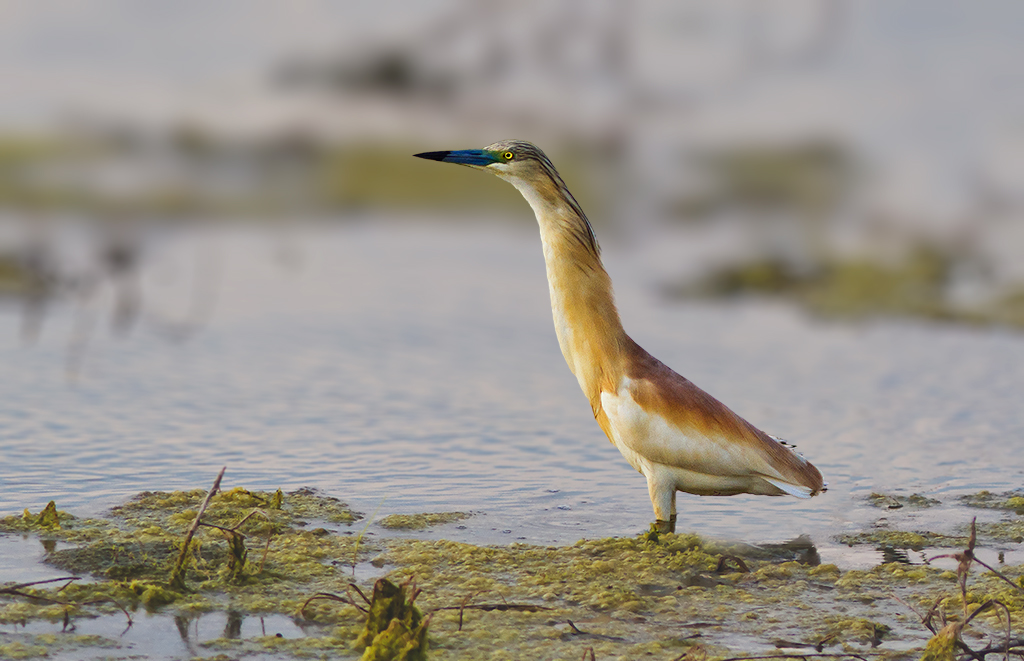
(508, 155)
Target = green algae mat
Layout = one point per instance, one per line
(300, 562)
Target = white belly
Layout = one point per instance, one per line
(667, 456)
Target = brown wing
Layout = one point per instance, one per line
(732, 445)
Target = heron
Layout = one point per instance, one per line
(677, 436)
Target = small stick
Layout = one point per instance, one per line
(462, 606)
(818, 646)
(331, 597)
(233, 530)
(266, 550)
(723, 564)
(18, 593)
(529, 608)
(992, 603)
(347, 599)
(102, 600)
(359, 537)
(998, 574)
(1014, 643)
(576, 631)
(178, 577)
(13, 589)
(699, 654)
(912, 609)
(361, 593)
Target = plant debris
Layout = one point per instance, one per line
(421, 521)
(1011, 501)
(900, 539)
(395, 629)
(261, 554)
(895, 502)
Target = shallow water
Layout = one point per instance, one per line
(154, 637)
(413, 367)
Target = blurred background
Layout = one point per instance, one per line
(215, 245)
(858, 158)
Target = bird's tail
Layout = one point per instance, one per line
(804, 478)
(798, 490)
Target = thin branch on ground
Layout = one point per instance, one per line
(178, 576)
(234, 531)
(965, 559)
(527, 608)
(817, 647)
(992, 603)
(347, 599)
(15, 590)
(723, 564)
(576, 631)
(988, 567)
(504, 606)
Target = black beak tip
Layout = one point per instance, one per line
(433, 155)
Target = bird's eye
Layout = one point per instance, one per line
(508, 156)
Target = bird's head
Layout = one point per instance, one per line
(526, 167)
(511, 160)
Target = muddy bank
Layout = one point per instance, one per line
(292, 575)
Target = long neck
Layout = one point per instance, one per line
(586, 321)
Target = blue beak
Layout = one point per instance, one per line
(463, 157)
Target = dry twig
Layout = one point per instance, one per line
(347, 599)
(15, 590)
(964, 559)
(233, 531)
(178, 577)
(577, 632)
(723, 564)
(505, 606)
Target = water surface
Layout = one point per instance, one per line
(408, 367)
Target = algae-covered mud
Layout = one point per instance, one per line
(421, 521)
(272, 575)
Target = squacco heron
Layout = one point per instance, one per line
(675, 434)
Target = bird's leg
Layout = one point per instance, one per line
(664, 526)
(663, 498)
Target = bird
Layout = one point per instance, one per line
(677, 436)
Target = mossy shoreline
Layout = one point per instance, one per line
(659, 597)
